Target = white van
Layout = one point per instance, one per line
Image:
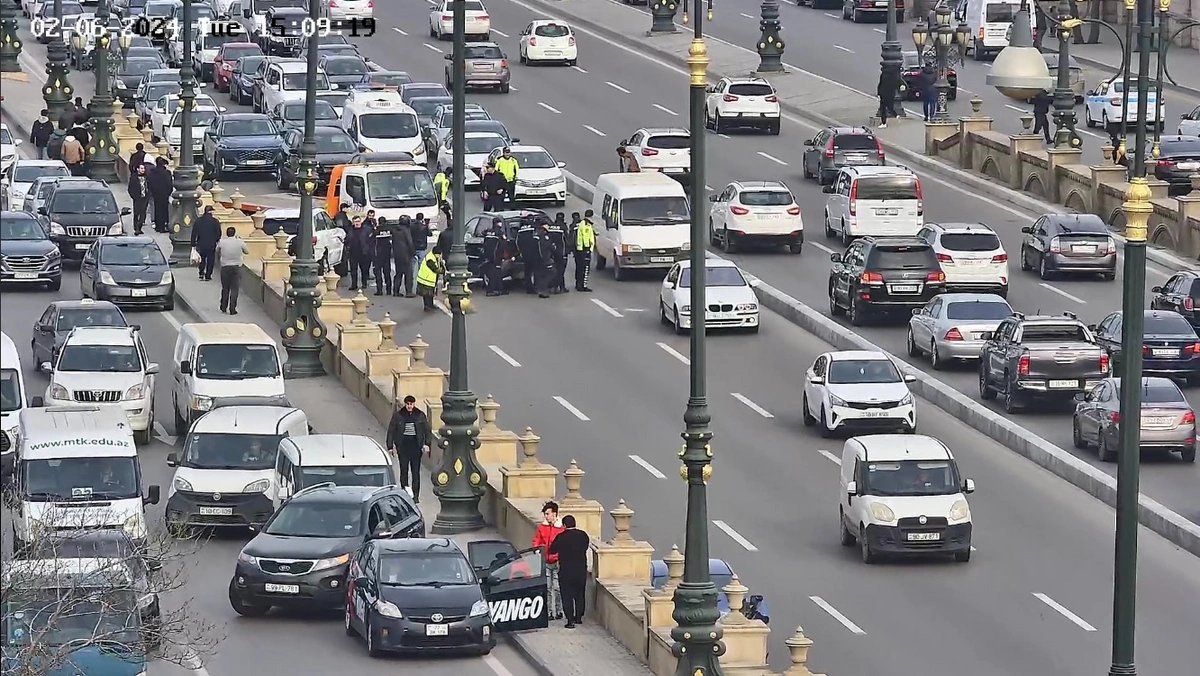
(224, 475)
(224, 364)
(12, 400)
(878, 201)
(341, 459)
(901, 495)
(381, 122)
(78, 468)
(643, 221)
(991, 23)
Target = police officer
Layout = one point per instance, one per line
(383, 257)
(441, 186)
(444, 200)
(585, 241)
(508, 166)
(402, 254)
(492, 263)
(558, 240)
(420, 239)
(427, 277)
(527, 247)
(547, 259)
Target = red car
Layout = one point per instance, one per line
(226, 57)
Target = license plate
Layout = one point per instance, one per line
(924, 537)
(256, 163)
(1157, 421)
(971, 261)
(217, 511)
(887, 212)
(903, 288)
(83, 247)
(1158, 352)
(1083, 249)
(662, 259)
(483, 66)
(437, 629)
(874, 414)
(856, 159)
(282, 588)
(1189, 165)
(553, 53)
(976, 336)
(25, 275)
(138, 293)
(1064, 383)
(534, 191)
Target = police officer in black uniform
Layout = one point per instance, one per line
(402, 254)
(558, 240)
(528, 250)
(547, 258)
(383, 257)
(491, 265)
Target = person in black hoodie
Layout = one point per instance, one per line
(383, 257)
(527, 247)
(359, 247)
(446, 239)
(139, 192)
(1041, 114)
(558, 238)
(342, 219)
(39, 134)
(138, 156)
(408, 439)
(889, 84)
(420, 239)
(162, 183)
(402, 254)
(572, 546)
(206, 232)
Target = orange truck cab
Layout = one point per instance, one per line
(391, 184)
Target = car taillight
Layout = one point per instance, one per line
(1115, 416)
(871, 278)
(938, 276)
(1000, 258)
(1104, 363)
(1166, 163)
(1055, 246)
(879, 149)
(953, 334)
(794, 211)
(944, 258)
(920, 200)
(571, 42)
(504, 63)
(649, 152)
(333, 3)
(1194, 348)
(1023, 365)
(728, 98)
(854, 198)
(1189, 304)
(447, 17)
(314, 239)
(829, 150)
(772, 99)
(1189, 418)
(1112, 246)
(533, 42)
(370, 3)
(739, 211)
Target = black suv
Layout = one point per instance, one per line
(883, 274)
(301, 557)
(1069, 243)
(77, 213)
(27, 255)
(1178, 159)
(836, 147)
(1181, 293)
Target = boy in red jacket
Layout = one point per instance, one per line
(546, 531)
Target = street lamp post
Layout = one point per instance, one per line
(459, 481)
(185, 203)
(1064, 97)
(10, 44)
(57, 92)
(662, 14)
(697, 637)
(303, 332)
(770, 44)
(891, 59)
(102, 150)
(1126, 63)
(944, 36)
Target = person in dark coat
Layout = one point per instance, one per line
(40, 133)
(927, 86)
(445, 239)
(402, 254)
(572, 546)
(138, 156)
(359, 247)
(81, 113)
(162, 184)
(889, 84)
(492, 263)
(547, 259)
(528, 249)
(408, 436)
(342, 219)
(558, 237)
(493, 188)
(1041, 114)
(206, 232)
(383, 257)
(139, 192)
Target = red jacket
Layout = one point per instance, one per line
(544, 535)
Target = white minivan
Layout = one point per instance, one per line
(642, 222)
(12, 400)
(224, 475)
(340, 459)
(990, 23)
(901, 495)
(877, 201)
(381, 122)
(223, 364)
(78, 469)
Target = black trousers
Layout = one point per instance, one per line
(426, 293)
(493, 202)
(208, 259)
(583, 269)
(531, 266)
(231, 284)
(383, 274)
(886, 104)
(493, 275)
(1041, 125)
(359, 266)
(162, 213)
(573, 589)
(544, 279)
(403, 282)
(140, 207)
(510, 191)
(410, 468)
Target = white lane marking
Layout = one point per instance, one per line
(709, 188)
(492, 661)
(736, 536)
(1016, 108)
(822, 247)
(674, 353)
(175, 323)
(666, 110)
(879, 30)
(832, 458)
(513, 88)
(550, 108)
(723, 135)
(607, 308)
(594, 130)
(160, 433)
(774, 159)
(832, 15)
(746, 15)
(571, 407)
(579, 69)
(844, 49)
(1062, 610)
(399, 30)
(751, 405)
(500, 33)
(617, 87)
(505, 356)
(1062, 293)
(433, 48)
(837, 615)
(648, 467)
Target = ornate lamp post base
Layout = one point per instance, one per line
(663, 14)
(770, 44)
(304, 333)
(459, 482)
(103, 145)
(185, 209)
(58, 91)
(10, 44)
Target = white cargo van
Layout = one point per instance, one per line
(878, 201)
(78, 468)
(223, 364)
(224, 475)
(642, 222)
(382, 122)
(991, 23)
(341, 459)
(12, 400)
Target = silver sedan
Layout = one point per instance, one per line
(955, 326)
(1167, 420)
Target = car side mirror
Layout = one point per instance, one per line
(17, 142)
(1183, 117)
(835, 257)
(515, 141)
(562, 165)
(852, 489)
(1027, 230)
(809, 142)
(910, 378)
(152, 369)
(125, 211)
(817, 380)
(987, 335)
(172, 460)
(828, 190)
(41, 211)
(713, 198)
(1156, 289)
(624, 143)
(185, 367)
(37, 402)
(1091, 327)
(968, 486)
(46, 367)
(361, 581)
(362, 148)
(918, 310)
(246, 13)
(153, 494)
(449, 57)
(1080, 396)
(381, 534)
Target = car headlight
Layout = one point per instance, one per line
(18, 196)
(167, 278)
(116, 229)
(57, 229)
(257, 486)
(200, 402)
(332, 562)
(59, 392)
(907, 400)
(480, 608)
(136, 392)
(135, 526)
(835, 400)
(686, 309)
(388, 609)
(182, 484)
(882, 513)
(53, 253)
(248, 559)
(121, 84)
(747, 307)
(630, 248)
(960, 511)
(107, 278)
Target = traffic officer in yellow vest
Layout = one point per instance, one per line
(441, 187)
(585, 241)
(508, 166)
(427, 277)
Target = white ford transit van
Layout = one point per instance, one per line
(223, 364)
(901, 495)
(341, 459)
(224, 475)
(12, 400)
(878, 201)
(78, 468)
(642, 222)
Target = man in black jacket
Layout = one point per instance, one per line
(491, 264)
(572, 547)
(528, 249)
(402, 254)
(139, 192)
(206, 232)
(408, 436)
(162, 183)
(558, 240)
(547, 258)
(889, 84)
(493, 187)
(383, 257)
(1041, 114)
(39, 134)
(359, 249)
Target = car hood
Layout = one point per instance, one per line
(476, 160)
(85, 219)
(450, 600)
(908, 506)
(333, 159)
(131, 81)
(554, 174)
(299, 124)
(286, 547)
(89, 659)
(26, 247)
(868, 392)
(244, 142)
(136, 274)
(220, 480)
(86, 380)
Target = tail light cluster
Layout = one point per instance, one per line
(879, 149)
(1189, 418)
(649, 152)
(871, 278)
(729, 98)
(1104, 363)
(447, 17)
(1189, 304)
(793, 211)
(1023, 365)
(1000, 258)
(920, 198)
(938, 276)
(1165, 164)
(953, 335)
(533, 41)
(1055, 245)
(739, 211)
(853, 194)
(944, 258)
(829, 150)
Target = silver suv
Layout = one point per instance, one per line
(836, 147)
(486, 66)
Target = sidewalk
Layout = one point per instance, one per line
(1183, 63)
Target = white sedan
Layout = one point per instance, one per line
(732, 303)
(441, 20)
(858, 391)
(478, 145)
(1102, 105)
(22, 175)
(546, 41)
(539, 177)
(755, 212)
(8, 148)
(328, 239)
(164, 109)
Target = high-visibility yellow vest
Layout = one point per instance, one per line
(585, 236)
(507, 166)
(426, 276)
(442, 185)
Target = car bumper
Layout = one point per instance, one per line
(762, 119)
(486, 80)
(723, 320)
(346, 13)
(960, 285)
(563, 54)
(894, 540)
(136, 410)
(73, 248)
(753, 238)
(411, 634)
(856, 419)
(556, 192)
(142, 296)
(51, 273)
(320, 589)
(232, 165)
(651, 261)
(1178, 440)
(1043, 387)
(1170, 367)
(960, 349)
(1093, 264)
(232, 509)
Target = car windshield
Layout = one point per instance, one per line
(28, 173)
(1167, 324)
(423, 91)
(308, 519)
(11, 398)
(912, 478)
(345, 66)
(481, 145)
(159, 89)
(25, 229)
(427, 105)
(483, 53)
(200, 118)
(888, 188)
(385, 188)
(388, 125)
(654, 210)
(235, 53)
(295, 113)
(1054, 333)
(670, 142)
(981, 311)
(99, 358)
(293, 82)
(393, 79)
(131, 253)
(256, 127)
(231, 361)
(336, 143)
(231, 451)
(343, 475)
(902, 258)
(140, 66)
(847, 371)
(552, 30)
(1194, 291)
(971, 242)
(421, 569)
(159, 8)
(83, 478)
(717, 276)
(337, 49)
(765, 198)
(912, 61)
(73, 317)
(249, 64)
(534, 159)
(84, 202)
(98, 617)
(1159, 391)
(337, 99)
(1180, 146)
(213, 41)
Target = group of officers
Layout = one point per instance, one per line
(543, 247)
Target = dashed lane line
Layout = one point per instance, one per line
(550, 108)
(505, 356)
(594, 130)
(774, 159)
(617, 87)
(500, 33)
(674, 353)
(822, 247)
(735, 536)
(844, 49)
(1062, 610)
(641, 462)
(837, 615)
(832, 458)
(751, 405)
(666, 110)
(399, 30)
(571, 408)
(607, 308)
(577, 68)
(434, 48)
(1064, 294)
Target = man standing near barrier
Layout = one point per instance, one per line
(231, 250)
(550, 528)
(408, 439)
(571, 547)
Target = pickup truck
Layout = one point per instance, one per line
(1049, 358)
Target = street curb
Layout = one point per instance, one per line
(517, 641)
(1152, 514)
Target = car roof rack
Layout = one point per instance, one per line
(323, 484)
(377, 491)
(1070, 314)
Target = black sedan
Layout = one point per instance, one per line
(910, 72)
(290, 115)
(128, 271)
(241, 81)
(1170, 347)
(344, 70)
(60, 318)
(129, 75)
(1178, 159)
(1181, 294)
(334, 147)
(477, 228)
(27, 254)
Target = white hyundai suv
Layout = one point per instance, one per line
(755, 213)
(971, 255)
(664, 149)
(742, 102)
(858, 391)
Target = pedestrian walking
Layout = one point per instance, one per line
(383, 258)
(138, 156)
(492, 263)
(493, 188)
(408, 436)
(427, 277)
(139, 192)
(585, 242)
(543, 536)
(571, 547)
(72, 154)
(402, 253)
(79, 131)
(927, 86)
(40, 133)
(358, 248)
(231, 250)
(80, 114)
(889, 85)
(420, 239)
(1041, 114)
(508, 166)
(162, 184)
(206, 233)
(528, 249)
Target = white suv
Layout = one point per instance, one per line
(742, 102)
(663, 149)
(857, 392)
(106, 365)
(971, 255)
(755, 212)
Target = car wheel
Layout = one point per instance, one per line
(935, 359)
(1025, 266)
(910, 343)
(796, 248)
(619, 274)
(369, 634)
(679, 330)
(1012, 400)
(829, 232)
(846, 239)
(856, 313)
(848, 538)
(835, 309)
(1189, 455)
(662, 313)
(55, 284)
(826, 430)
(717, 124)
(1087, 117)
(170, 304)
(864, 547)
(773, 128)
(504, 88)
(181, 425)
(281, 180)
(1105, 453)
(142, 437)
(727, 245)
(349, 621)
(1104, 119)
(1077, 439)
(1109, 276)
(243, 608)
(809, 420)
(804, 170)
(1043, 269)
(963, 557)
(985, 389)
(712, 235)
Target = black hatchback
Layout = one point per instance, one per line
(1178, 159)
(885, 274)
(77, 213)
(1181, 293)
